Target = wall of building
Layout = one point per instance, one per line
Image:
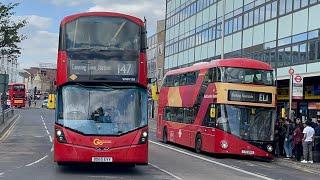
(9, 66)
(282, 33)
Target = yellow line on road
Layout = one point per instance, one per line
(9, 130)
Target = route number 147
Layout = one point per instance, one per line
(124, 69)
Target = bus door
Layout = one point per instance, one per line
(208, 133)
(184, 132)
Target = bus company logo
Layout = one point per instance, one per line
(99, 142)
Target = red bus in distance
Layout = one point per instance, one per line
(101, 90)
(17, 95)
(223, 106)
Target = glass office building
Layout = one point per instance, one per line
(283, 33)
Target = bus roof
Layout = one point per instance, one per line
(110, 14)
(234, 62)
(12, 84)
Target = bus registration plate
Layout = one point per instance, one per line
(101, 159)
(18, 101)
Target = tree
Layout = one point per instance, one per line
(10, 36)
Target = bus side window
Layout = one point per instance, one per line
(216, 77)
(188, 115)
(167, 113)
(183, 79)
(176, 80)
(208, 77)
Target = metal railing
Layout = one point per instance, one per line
(6, 115)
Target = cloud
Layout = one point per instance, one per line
(40, 45)
(38, 22)
(72, 3)
(153, 10)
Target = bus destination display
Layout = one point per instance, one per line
(249, 96)
(103, 67)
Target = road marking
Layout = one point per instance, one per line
(37, 161)
(10, 129)
(167, 172)
(1, 173)
(45, 126)
(212, 161)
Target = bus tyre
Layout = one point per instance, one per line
(198, 144)
(165, 136)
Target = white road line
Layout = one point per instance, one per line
(45, 126)
(1, 173)
(167, 172)
(37, 161)
(212, 161)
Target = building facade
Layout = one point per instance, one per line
(155, 55)
(283, 33)
(9, 66)
(41, 78)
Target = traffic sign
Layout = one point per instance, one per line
(291, 71)
(298, 78)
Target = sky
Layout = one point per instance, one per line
(44, 17)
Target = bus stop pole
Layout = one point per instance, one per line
(290, 95)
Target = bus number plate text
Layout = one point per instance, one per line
(102, 159)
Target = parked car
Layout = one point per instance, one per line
(45, 103)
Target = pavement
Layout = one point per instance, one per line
(6, 125)
(26, 153)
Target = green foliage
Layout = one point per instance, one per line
(10, 37)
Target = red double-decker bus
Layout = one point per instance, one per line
(17, 95)
(101, 90)
(223, 106)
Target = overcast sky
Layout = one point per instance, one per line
(44, 17)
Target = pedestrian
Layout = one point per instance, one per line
(35, 103)
(288, 138)
(297, 140)
(308, 139)
(281, 132)
(29, 101)
(317, 129)
(277, 138)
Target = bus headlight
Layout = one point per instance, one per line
(224, 144)
(60, 136)
(269, 148)
(143, 137)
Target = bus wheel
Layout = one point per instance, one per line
(198, 143)
(165, 136)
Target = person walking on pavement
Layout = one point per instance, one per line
(297, 140)
(29, 102)
(308, 139)
(288, 138)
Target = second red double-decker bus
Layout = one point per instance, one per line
(101, 90)
(224, 106)
(17, 95)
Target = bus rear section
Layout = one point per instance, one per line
(101, 90)
(17, 95)
(223, 107)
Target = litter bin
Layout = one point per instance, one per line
(316, 149)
